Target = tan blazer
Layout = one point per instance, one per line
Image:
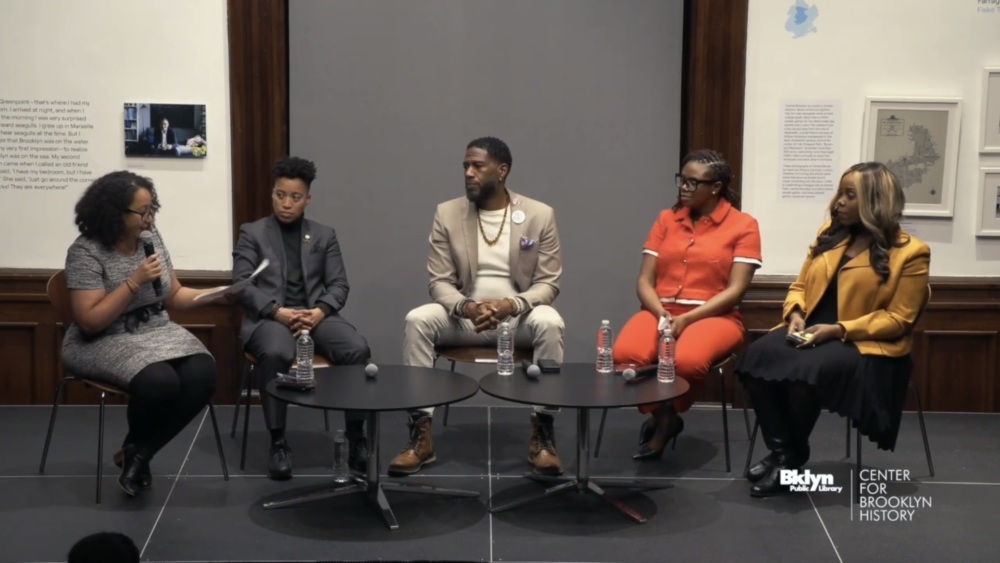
(878, 317)
(536, 266)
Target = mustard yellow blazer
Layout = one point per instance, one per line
(878, 317)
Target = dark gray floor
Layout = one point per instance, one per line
(706, 515)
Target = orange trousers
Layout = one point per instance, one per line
(702, 344)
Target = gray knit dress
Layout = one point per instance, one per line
(117, 354)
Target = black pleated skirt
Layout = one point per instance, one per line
(870, 390)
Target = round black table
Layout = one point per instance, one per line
(394, 388)
(580, 386)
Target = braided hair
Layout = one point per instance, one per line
(721, 171)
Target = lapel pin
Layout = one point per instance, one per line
(517, 217)
(307, 237)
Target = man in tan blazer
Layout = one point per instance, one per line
(494, 257)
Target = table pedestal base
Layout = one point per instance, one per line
(582, 483)
(371, 485)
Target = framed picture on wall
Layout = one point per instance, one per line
(989, 135)
(989, 203)
(165, 130)
(916, 138)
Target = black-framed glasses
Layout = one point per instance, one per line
(144, 214)
(690, 184)
(281, 196)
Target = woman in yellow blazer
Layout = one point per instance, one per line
(845, 341)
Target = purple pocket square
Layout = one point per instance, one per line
(527, 243)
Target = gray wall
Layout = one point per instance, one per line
(386, 94)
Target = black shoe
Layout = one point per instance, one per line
(770, 485)
(357, 459)
(761, 468)
(646, 430)
(667, 430)
(145, 477)
(279, 464)
(132, 467)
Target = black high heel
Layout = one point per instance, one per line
(145, 475)
(132, 469)
(648, 453)
(647, 430)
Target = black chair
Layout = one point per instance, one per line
(58, 294)
(719, 368)
(246, 391)
(475, 355)
(857, 473)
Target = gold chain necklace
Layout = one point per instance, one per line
(503, 222)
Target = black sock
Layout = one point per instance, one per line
(277, 435)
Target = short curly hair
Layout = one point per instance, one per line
(295, 168)
(101, 207)
(497, 149)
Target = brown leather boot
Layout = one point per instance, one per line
(542, 447)
(418, 453)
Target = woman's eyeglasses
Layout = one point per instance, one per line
(690, 184)
(144, 214)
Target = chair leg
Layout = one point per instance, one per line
(753, 440)
(100, 446)
(326, 419)
(246, 420)
(218, 441)
(923, 429)
(725, 418)
(447, 408)
(52, 423)
(600, 433)
(847, 453)
(857, 469)
(239, 395)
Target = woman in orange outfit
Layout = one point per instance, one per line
(697, 263)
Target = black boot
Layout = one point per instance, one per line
(769, 402)
(781, 459)
(803, 410)
(135, 460)
(357, 457)
(145, 473)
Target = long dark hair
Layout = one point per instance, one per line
(880, 205)
(721, 170)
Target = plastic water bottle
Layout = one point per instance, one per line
(505, 350)
(665, 369)
(341, 473)
(605, 338)
(304, 358)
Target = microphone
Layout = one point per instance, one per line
(530, 369)
(147, 246)
(631, 375)
(371, 370)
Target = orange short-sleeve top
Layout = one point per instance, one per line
(693, 260)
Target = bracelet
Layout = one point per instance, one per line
(132, 286)
(515, 303)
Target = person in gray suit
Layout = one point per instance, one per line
(494, 257)
(305, 287)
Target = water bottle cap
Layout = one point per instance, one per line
(304, 332)
(605, 322)
(505, 324)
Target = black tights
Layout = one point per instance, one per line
(787, 411)
(165, 396)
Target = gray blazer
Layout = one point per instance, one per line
(322, 268)
(535, 263)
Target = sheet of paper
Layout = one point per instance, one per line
(234, 288)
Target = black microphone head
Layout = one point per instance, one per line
(371, 370)
(629, 374)
(533, 371)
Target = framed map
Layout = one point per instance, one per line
(989, 136)
(916, 138)
(989, 203)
